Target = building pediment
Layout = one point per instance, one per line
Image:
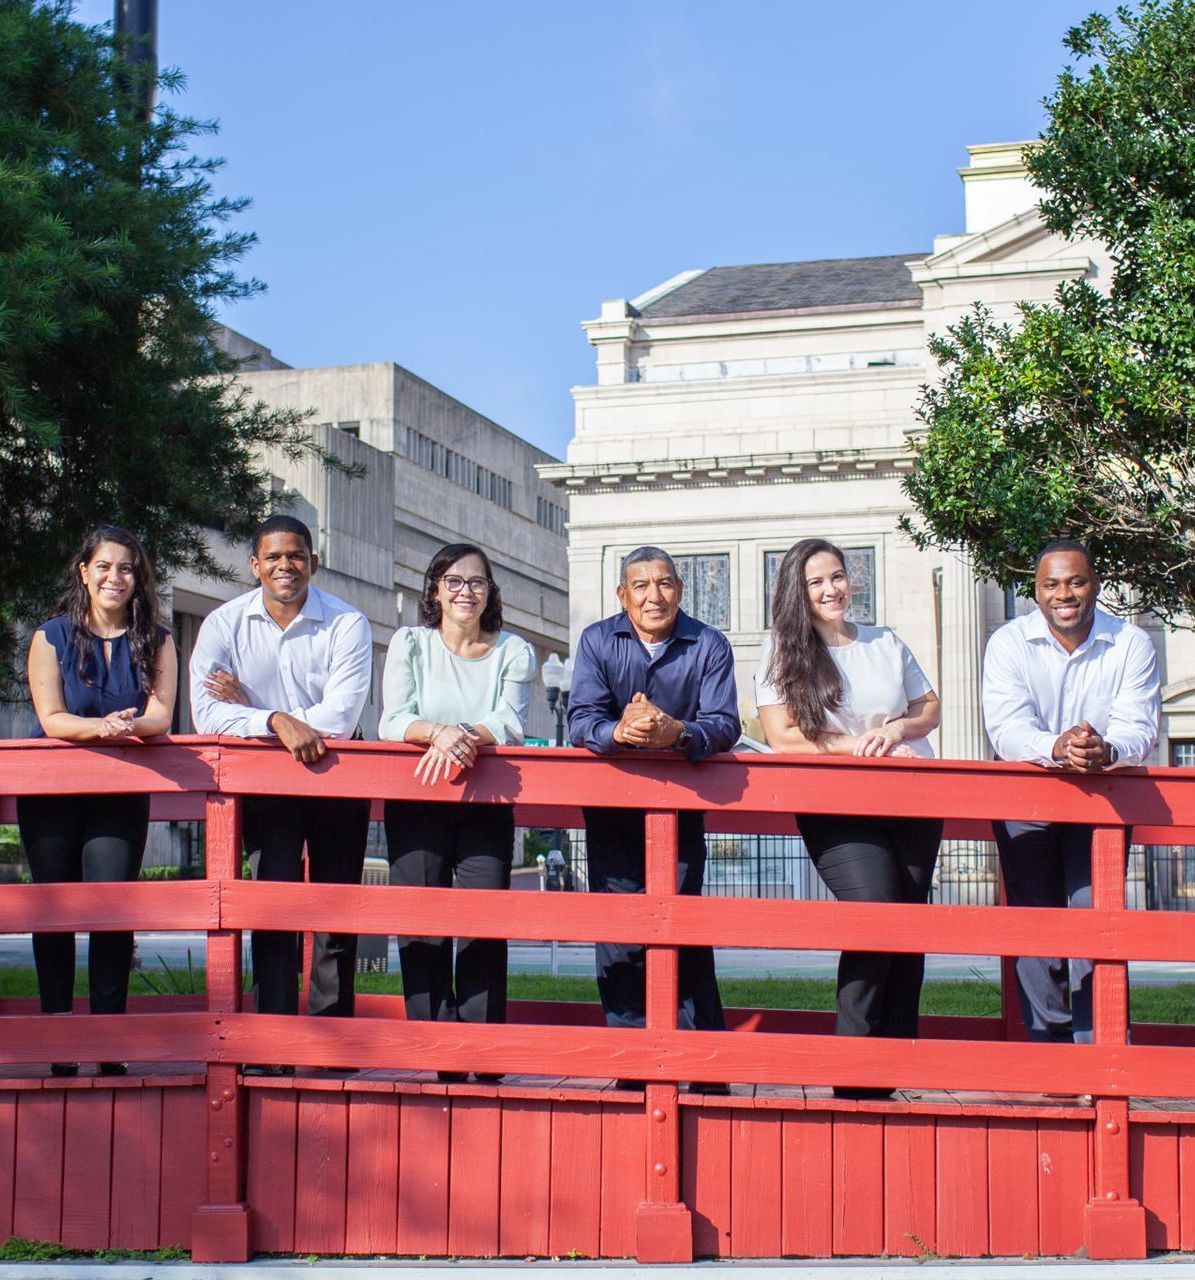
(1020, 245)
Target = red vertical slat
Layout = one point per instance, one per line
(87, 1168)
(623, 1166)
(1153, 1173)
(184, 1176)
(910, 1227)
(526, 1173)
(423, 1175)
(808, 1157)
(963, 1187)
(8, 1153)
(1012, 1188)
(321, 1154)
(858, 1183)
(1063, 1185)
(136, 1167)
(273, 1122)
(1186, 1187)
(756, 1185)
(37, 1213)
(371, 1213)
(574, 1213)
(474, 1172)
(706, 1178)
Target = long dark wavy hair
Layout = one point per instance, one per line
(144, 608)
(800, 667)
(430, 612)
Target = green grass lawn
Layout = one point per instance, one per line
(976, 998)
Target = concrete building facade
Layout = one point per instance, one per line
(738, 409)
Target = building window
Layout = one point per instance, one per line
(707, 588)
(431, 455)
(549, 515)
(860, 569)
(1182, 753)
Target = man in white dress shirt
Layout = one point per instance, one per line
(292, 662)
(1068, 687)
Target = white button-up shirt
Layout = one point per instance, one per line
(1033, 690)
(317, 670)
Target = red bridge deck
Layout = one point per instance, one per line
(970, 1158)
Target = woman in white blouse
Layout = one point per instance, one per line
(455, 683)
(828, 685)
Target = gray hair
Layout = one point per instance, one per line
(644, 555)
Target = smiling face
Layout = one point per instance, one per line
(283, 566)
(1066, 589)
(651, 595)
(463, 591)
(109, 577)
(828, 587)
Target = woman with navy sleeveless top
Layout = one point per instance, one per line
(103, 669)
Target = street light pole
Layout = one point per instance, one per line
(137, 31)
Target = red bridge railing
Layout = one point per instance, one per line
(199, 777)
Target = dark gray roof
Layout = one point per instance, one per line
(791, 286)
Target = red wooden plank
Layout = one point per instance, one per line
(910, 1226)
(87, 1168)
(705, 1178)
(1064, 1185)
(321, 1155)
(1186, 1187)
(526, 1173)
(858, 1156)
(37, 1213)
(371, 1220)
(623, 1178)
(962, 1187)
(474, 1177)
(574, 1224)
(184, 1170)
(136, 1167)
(1154, 1182)
(8, 1152)
(808, 1213)
(423, 1175)
(270, 1182)
(756, 1186)
(1012, 1188)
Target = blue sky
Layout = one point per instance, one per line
(457, 185)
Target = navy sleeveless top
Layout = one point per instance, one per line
(113, 686)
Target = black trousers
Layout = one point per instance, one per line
(875, 860)
(1048, 864)
(436, 845)
(335, 832)
(615, 849)
(69, 839)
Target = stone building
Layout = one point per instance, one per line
(738, 409)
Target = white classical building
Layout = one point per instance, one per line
(738, 409)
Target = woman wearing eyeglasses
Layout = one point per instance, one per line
(454, 683)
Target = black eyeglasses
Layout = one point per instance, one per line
(456, 585)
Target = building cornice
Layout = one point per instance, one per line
(794, 467)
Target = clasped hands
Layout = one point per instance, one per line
(643, 724)
(887, 740)
(1082, 749)
(117, 724)
(449, 747)
(297, 736)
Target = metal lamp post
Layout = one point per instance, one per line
(558, 679)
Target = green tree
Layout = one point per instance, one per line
(114, 254)
(1077, 420)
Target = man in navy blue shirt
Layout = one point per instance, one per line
(651, 676)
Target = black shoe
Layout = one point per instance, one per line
(711, 1088)
(488, 1077)
(862, 1093)
(267, 1069)
(452, 1077)
(64, 1068)
(114, 1068)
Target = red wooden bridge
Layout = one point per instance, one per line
(363, 1152)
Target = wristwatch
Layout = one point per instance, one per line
(1113, 754)
(683, 738)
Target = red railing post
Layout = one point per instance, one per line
(220, 1226)
(1115, 1222)
(664, 1225)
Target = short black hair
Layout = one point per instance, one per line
(645, 555)
(1064, 544)
(282, 524)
